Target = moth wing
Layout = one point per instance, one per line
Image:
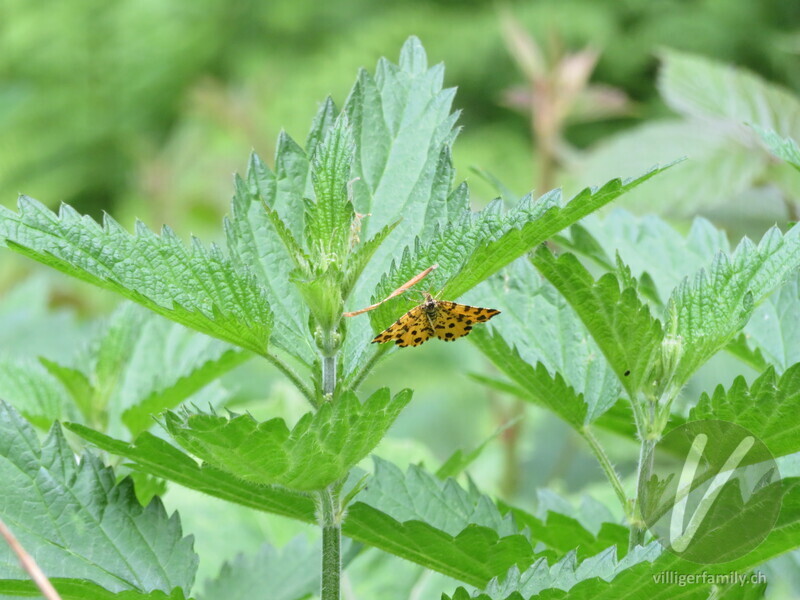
(455, 320)
(412, 329)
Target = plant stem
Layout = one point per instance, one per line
(608, 468)
(331, 543)
(330, 510)
(643, 473)
(328, 375)
(293, 377)
(510, 438)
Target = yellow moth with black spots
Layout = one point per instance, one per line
(446, 320)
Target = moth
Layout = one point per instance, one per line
(446, 320)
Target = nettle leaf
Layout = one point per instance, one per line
(721, 164)
(255, 240)
(771, 334)
(784, 148)
(774, 330)
(618, 320)
(168, 366)
(443, 504)
(321, 448)
(700, 87)
(707, 311)
(470, 549)
(470, 250)
(415, 514)
(151, 455)
(197, 286)
(646, 242)
(80, 524)
(402, 123)
(527, 229)
(289, 573)
(328, 218)
(534, 383)
(403, 126)
(567, 573)
(138, 364)
(564, 529)
(436, 524)
(541, 345)
(34, 392)
(641, 579)
(769, 408)
(322, 122)
(81, 589)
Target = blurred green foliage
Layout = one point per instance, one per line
(144, 107)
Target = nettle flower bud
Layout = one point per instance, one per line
(671, 353)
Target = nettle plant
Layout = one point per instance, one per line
(368, 204)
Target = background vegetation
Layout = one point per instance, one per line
(144, 108)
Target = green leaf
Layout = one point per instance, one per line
(640, 580)
(321, 449)
(32, 391)
(541, 345)
(774, 330)
(436, 524)
(256, 235)
(200, 365)
(323, 121)
(720, 166)
(474, 555)
(329, 218)
(567, 573)
(784, 148)
(700, 87)
(418, 494)
(740, 347)
(535, 383)
(290, 573)
(566, 535)
(707, 311)
(646, 241)
(403, 126)
(301, 261)
(525, 230)
(78, 523)
(77, 385)
(620, 323)
(137, 364)
(197, 287)
(769, 408)
(82, 589)
(643, 242)
(152, 455)
(461, 539)
(361, 255)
